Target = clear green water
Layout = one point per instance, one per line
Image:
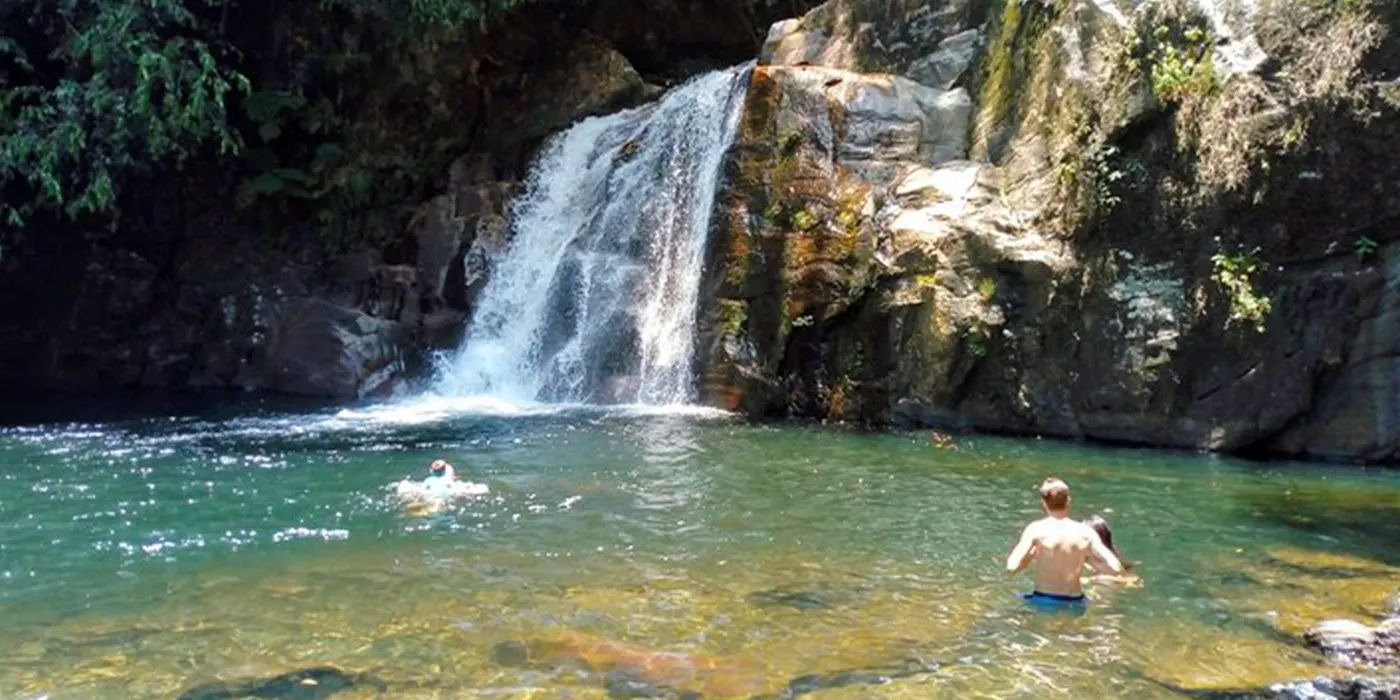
(144, 557)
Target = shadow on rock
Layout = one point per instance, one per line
(805, 598)
(1367, 522)
(812, 683)
(306, 684)
(633, 673)
(1322, 688)
(625, 684)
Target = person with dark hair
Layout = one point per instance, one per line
(1059, 547)
(1100, 527)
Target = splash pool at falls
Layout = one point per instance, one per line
(146, 557)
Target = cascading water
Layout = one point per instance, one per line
(595, 299)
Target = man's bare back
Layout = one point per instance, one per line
(1060, 547)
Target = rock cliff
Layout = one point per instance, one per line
(1167, 223)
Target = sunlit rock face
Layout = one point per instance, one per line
(1136, 222)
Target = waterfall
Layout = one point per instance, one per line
(595, 299)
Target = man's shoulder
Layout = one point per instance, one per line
(1062, 527)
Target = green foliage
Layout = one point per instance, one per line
(1184, 70)
(733, 314)
(987, 288)
(130, 84)
(1366, 248)
(976, 340)
(337, 110)
(1353, 6)
(789, 141)
(1114, 174)
(926, 280)
(1176, 52)
(849, 220)
(423, 22)
(99, 91)
(1235, 273)
(976, 347)
(804, 220)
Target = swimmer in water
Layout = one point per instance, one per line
(434, 492)
(440, 469)
(1059, 548)
(1127, 578)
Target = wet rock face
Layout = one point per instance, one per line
(1066, 268)
(318, 349)
(853, 236)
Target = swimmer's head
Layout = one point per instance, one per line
(1100, 526)
(1054, 495)
(438, 467)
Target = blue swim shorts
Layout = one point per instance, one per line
(1051, 602)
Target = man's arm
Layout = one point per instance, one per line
(1021, 556)
(1101, 557)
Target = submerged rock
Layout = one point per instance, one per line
(1320, 688)
(638, 673)
(625, 684)
(868, 676)
(306, 684)
(804, 598)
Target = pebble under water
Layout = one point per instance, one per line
(646, 553)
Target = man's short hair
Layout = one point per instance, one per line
(1054, 492)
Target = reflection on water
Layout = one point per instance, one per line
(626, 553)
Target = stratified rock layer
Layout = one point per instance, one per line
(1163, 224)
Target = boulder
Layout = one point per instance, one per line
(316, 348)
(1322, 688)
(949, 62)
(875, 36)
(860, 249)
(590, 78)
(1350, 643)
(1388, 635)
(489, 241)
(438, 232)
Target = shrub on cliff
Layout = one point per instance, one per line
(96, 89)
(92, 91)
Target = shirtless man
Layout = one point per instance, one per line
(1060, 548)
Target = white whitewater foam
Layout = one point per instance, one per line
(595, 299)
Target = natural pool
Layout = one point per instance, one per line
(146, 557)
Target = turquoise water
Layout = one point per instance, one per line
(146, 557)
